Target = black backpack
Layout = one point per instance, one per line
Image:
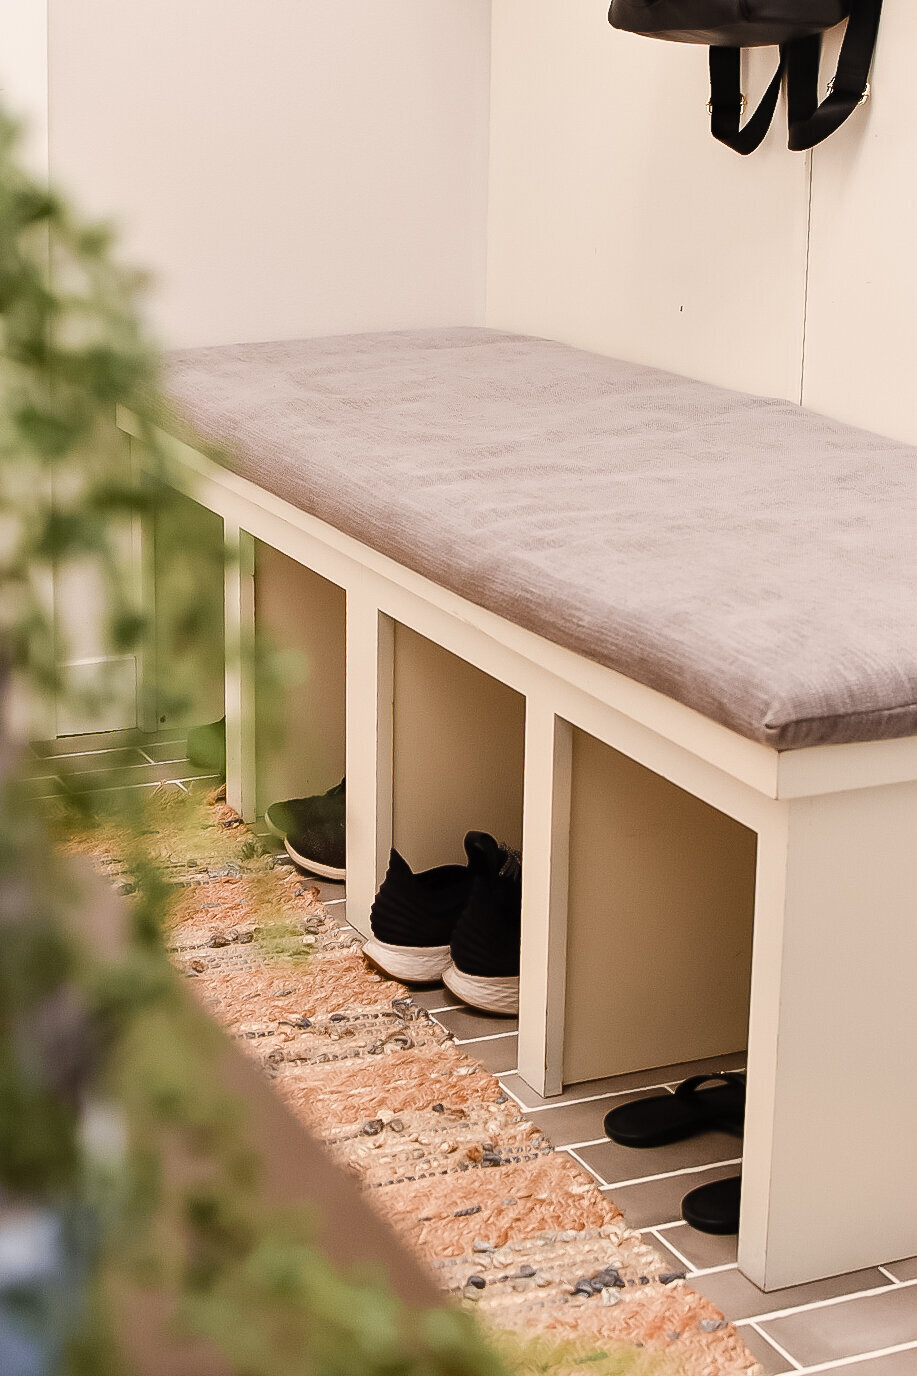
(796, 26)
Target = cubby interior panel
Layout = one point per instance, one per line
(661, 901)
(459, 742)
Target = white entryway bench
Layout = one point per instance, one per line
(669, 633)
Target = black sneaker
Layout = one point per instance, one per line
(207, 746)
(484, 971)
(294, 814)
(413, 917)
(317, 826)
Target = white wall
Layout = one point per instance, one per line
(861, 328)
(617, 223)
(285, 167)
(24, 75)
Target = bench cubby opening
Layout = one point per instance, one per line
(299, 714)
(189, 529)
(458, 746)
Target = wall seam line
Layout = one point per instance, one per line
(805, 284)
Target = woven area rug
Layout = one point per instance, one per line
(509, 1227)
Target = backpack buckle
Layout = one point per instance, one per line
(863, 98)
(743, 105)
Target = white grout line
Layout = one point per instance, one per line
(766, 1315)
(120, 788)
(893, 1279)
(494, 1037)
(330, 902)
(673, 1084)
(717, 1271)
(84, 754)
(584, 1164)
(108, 769)
(589, 1098)
(515, 1098)
(663, 1242)
(669, 1175)
(787, 1356)
(851, 1363)
(446, 1008)
(577, 1146)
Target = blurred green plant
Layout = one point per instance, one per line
(81, 1033)
(76, 1029)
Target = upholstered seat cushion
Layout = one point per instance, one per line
(753, 560)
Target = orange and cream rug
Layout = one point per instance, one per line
(509, 1227)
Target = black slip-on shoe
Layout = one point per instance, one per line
(484, 970)
(413, 917)
(316, 838)
(207, 746)
(692, 1109)
(714, 1207)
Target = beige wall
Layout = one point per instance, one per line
(293, 168)
(861, 327)
(618, 224)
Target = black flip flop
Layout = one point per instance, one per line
(714, 1208)
(672, 1117)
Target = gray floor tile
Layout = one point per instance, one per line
(70, 745)
(772, 1363)
(103, 776)
(739, 1299)
(637, 1079)
(498, 1055)
(659, 1201)
(903, 1270)
(42, 786)
(703, 1250)
(892, 1364)
(104, 740)
(118, 758)
(467, 1023)
(123, 799)
(861, 1325)
(569, 1123)
(436, 996)
(328, 889)
(165, 752)
(613, 1162)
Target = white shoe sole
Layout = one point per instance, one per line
(275, 831)
(323, 871)
(496, 994)
(410, 964)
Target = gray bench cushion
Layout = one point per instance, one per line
(751, 559)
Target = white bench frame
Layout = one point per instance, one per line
(831, 1128)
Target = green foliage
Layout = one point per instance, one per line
(77, 1028)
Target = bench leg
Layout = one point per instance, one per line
(832, 1119)
(144, 563)
(239, 591)
(370, 678)
(545, 846)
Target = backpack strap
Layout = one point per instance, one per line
(810, 122)
(727, 103)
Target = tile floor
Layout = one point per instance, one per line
(864, 1324)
